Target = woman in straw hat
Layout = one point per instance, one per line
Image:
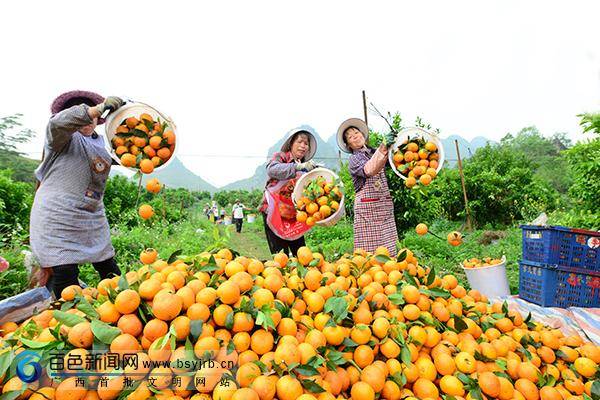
(283, 232)
(374, 223)
(68, 223)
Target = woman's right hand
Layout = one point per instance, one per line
(306, 166)
(383, 149)
(113, 103)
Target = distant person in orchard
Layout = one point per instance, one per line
(374, 223)
(284, 233)
(215, 212)
(238, 215)
(68, 223)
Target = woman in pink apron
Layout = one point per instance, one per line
(374, 223)
(283, 232)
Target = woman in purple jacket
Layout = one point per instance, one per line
(283, 232)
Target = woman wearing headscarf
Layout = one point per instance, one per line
(374, 223)
(68, 223)
(283, 232)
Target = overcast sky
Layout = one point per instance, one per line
(236, 75)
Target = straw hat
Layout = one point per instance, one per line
(76, 97)
(291, 135)
(349, 123)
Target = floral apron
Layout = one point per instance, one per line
(374, 223)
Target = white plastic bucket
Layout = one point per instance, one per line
(409, 133)
(490, 281)
(114, 119)
(251, 218)
(329, 176)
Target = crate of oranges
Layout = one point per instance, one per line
(417, 156)
(140, 137)
(319, 198)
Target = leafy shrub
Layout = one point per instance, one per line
(576, 218)
(15, 206)
(584, 164)
(501, 186)
(251, 199)
(338, 239)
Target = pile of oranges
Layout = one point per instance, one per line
(143, 143)
(484, 262)
(362, 327)
(320, 199)
(417, 160)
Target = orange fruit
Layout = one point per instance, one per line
(127, 301)
(132, 122)
(146, 166)
(128, 160)
(421, 229)
(153, 186)
(452, 386)
(170, 137)
(146, 211)
(362, 391)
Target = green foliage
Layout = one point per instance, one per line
(543, 153)
(590, 122)
(584, 164)
(251, 199)
(12, 134)
(501, 185)
(121, 194)
(15, 205)
(14, 280)
(579, 218)
(346, 179)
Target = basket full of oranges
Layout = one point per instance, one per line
(319, 198)
(417, 156)
(141, 138)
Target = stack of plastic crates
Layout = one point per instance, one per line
(560, 267)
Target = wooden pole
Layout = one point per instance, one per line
(364, 95)
(462, 181)
(137, 199)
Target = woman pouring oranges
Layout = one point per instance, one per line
(283, 232)
(374, 223)
(68, 223)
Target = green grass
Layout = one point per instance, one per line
(252, 241)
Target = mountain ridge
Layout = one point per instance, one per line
(178, 175)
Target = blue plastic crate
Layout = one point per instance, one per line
(552, 286)
(561, 246)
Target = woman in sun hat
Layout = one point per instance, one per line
(68, 223)
(374, 223)
(283, 232)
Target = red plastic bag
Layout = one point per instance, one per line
(281, 212)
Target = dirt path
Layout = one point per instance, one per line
(251, 242)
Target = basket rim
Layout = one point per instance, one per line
(502, 264)
(561, 229)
